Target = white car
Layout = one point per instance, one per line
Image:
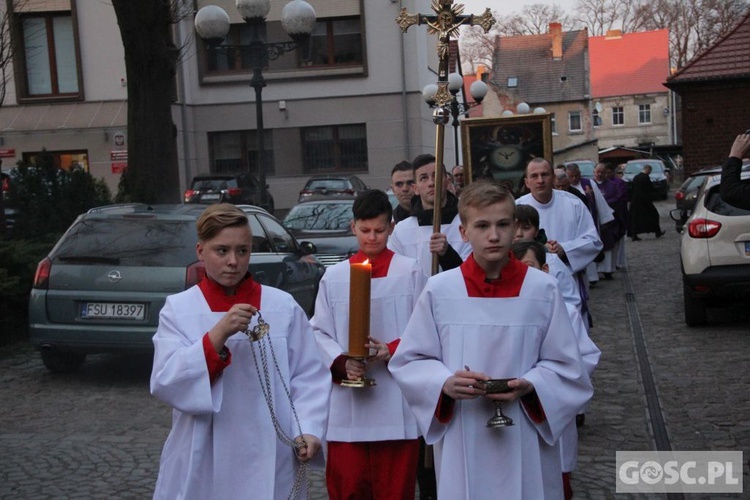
(715, 253)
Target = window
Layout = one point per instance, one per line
(236, 151)
(644, 113)
(512, 82)
(335, 148)
(574, 121)
(618, 116)
(553, 123)
(65, 160)
(49, 59)
(334, 42)
(595, 118)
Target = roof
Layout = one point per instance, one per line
(614, 60)
(540, 78)
(728, 58)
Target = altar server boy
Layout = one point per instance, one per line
(372, 433)
(533, 254)
(223, 443)
(493, 317)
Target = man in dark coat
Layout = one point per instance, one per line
(644, 218)
(733, 190)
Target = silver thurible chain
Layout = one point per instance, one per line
(259, 338)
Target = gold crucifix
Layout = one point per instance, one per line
(445, 23)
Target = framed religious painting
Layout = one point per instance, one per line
(500, 147)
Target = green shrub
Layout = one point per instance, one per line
(18, 261)
(48, 199)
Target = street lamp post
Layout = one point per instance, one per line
(478, 91)
(298, 20)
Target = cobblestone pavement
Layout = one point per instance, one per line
(99, 434)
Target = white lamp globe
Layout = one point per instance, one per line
(253, 9)
(428, 93)
(478, 90)
(212, 23)
(455, 82)
(507, 112)
(539, 111)
(523, 108)
(298, 19)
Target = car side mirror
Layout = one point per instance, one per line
(308, 248)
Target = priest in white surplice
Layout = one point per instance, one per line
(223, 443)
(492, 317)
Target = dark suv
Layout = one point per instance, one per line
(240, 188)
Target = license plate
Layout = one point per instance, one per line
(747, 249)
(210, 197)
(112, 310)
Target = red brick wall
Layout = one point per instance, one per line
(712, 116)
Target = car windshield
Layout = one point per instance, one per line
(320, 217)
(328, 184)
(586, 168)
(130, 242)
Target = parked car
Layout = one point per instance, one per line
(585, 166)
(659, 176)
(715, 253)
(326, 224)
(332, 186)
(103, 284)
(240, 188)
(688, 191)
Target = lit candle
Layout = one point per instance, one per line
(359, 308)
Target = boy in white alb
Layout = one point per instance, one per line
(533, 254)
(223, 442)
(493, 317)
(372, 433)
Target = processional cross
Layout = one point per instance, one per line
(445, 23)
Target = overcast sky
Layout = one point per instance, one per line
(505, 7)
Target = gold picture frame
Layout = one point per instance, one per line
(499, 148)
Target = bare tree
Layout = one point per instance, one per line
(533, 20)
(150, 63)
(477, 47)
(693, 25)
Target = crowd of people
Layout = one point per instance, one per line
(258, 390)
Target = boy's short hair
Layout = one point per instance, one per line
(217, 217)
(402, 166)
(422, 160)
(481, 194)
(372, 203)
(526, 214)
(521, 248)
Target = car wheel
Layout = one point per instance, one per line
(62, 362)
(695, 309)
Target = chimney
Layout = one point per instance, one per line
(555, 29)
(613, 34)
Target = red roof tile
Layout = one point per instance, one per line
(729, 57)
(634, 63)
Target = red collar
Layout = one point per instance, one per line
(248, 292)
(507, 285)
(380, 263)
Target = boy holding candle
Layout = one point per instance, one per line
(372, 434)
(493, 317)
(223, 442)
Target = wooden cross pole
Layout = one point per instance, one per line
(445, 23)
